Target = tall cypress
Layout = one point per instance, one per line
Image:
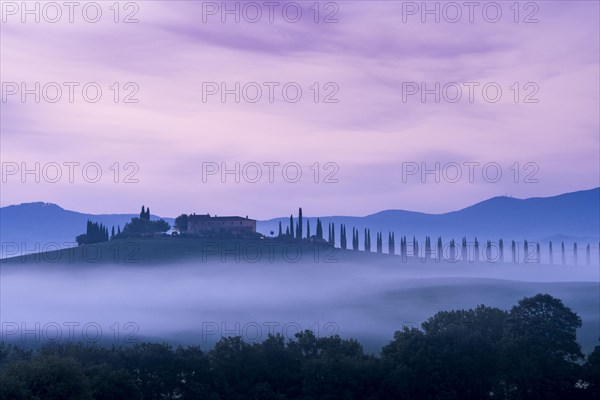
(333, 234)
(513, 251)
(550, 254)
(588, 255)
(501, 250)
(292, 226)
(280, 232)
(562, 253)
(308, 228)
(299, 235)
(575, 253)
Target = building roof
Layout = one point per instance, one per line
(207, 217)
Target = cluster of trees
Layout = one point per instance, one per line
(143, 225)
(145, 214)
(527, 353)
(94, 233)
(97, 232)
(181, 222)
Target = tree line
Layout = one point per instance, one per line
(527, 353)
(492, 251)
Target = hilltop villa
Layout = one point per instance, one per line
(207, 225)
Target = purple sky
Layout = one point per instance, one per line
(369, 54)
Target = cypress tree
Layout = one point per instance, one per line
(415, 247)
(440, 249)
(550, 254)
(292, 226)
(538, 253)
(308, 228)
(452, 250)
(501, 250)
(143, 213)
(476, 250)
(513, 250)
(319, 230)
(299, 234)
(333, 234)
(588, 255)
(279, 235)
(563, 255)
(575, 253)
(112, 233)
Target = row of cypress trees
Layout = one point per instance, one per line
(493, 251)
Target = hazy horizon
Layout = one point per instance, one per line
(83, 211)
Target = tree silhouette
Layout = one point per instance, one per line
(319, 229)
(501, 249)
(588, 255)
(513, 251)
(299, 233)
(181, 222)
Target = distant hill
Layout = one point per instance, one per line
(40, 224)
(571, 216)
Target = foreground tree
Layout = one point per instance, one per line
(541, 349)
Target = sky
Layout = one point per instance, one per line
(343, 108)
